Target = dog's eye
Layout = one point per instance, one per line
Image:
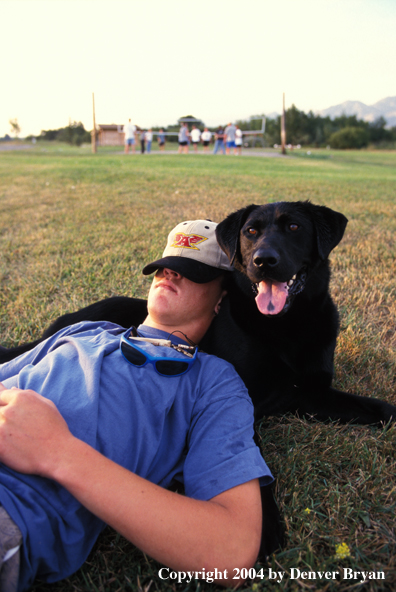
(293, 227)
(252, 231)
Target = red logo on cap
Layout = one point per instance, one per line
(187, 241)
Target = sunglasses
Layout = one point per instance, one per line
(135, 354)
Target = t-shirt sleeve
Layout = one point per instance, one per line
(221, 451)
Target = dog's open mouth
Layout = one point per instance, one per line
(274, 297)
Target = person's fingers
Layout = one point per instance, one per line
(5, 394)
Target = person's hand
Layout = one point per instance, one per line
(32, 431)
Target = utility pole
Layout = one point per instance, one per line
(93, 133)
(283, 127)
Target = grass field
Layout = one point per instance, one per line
(76, 227)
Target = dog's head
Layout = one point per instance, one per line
(277, 245)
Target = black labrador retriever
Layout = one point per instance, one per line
(281, 325)
(278, 325)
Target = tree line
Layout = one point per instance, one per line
(74, 134)
(308, 129)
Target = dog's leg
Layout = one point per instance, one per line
(326, 404)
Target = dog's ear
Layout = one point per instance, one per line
(227, 232)
(330, 226)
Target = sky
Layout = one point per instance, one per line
(220, 60)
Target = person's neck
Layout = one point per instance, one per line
(193, 334)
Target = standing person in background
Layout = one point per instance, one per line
(129, 140)
(161, 140)
(206, 137)
(229, 134)
(149, 140)
(142, 141)
(183, 139)
(219, 140)
(238, 140)
(195, 137)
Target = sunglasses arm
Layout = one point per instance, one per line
(164, 342)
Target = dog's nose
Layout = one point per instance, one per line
(266, 257)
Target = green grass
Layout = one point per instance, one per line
(76, 227)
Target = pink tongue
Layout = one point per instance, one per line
(271, 297)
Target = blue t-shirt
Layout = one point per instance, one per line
(196, 429)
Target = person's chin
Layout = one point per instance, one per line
(164, 303)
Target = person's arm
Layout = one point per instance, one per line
(183, 533)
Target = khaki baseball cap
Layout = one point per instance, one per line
(193, 251)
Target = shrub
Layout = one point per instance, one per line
(74, 133)
(349, 137)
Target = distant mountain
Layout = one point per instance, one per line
(385, 108)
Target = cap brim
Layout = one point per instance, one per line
(195, 271)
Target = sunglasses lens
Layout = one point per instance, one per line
(171, 367)
(134, 356)
(164, 366)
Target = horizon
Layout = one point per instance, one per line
(272, 115)
(155, 61)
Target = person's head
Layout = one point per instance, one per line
(190, 280)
